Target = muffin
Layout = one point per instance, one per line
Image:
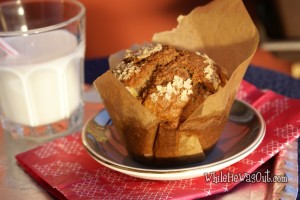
(169, 82)
(194, 106)
(163, 88)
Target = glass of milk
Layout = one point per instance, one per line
(41, 86)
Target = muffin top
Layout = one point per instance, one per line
(171, 83)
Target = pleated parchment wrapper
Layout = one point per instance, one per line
(225, 32)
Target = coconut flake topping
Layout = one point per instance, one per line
(177, 87)
(210, 72)
(144, 51)
(125, 71)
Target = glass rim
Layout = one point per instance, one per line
(79, 15)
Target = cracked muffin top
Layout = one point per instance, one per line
(171, 83)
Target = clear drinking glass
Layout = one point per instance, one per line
(41, 87)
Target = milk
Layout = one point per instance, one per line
(43, 84)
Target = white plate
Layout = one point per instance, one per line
(243, 132)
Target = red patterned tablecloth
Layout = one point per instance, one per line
(65, 169)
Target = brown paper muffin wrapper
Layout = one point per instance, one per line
(225, 32)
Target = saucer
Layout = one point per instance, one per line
(244, 131)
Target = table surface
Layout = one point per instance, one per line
(16, 184)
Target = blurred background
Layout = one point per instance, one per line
(117, 24)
